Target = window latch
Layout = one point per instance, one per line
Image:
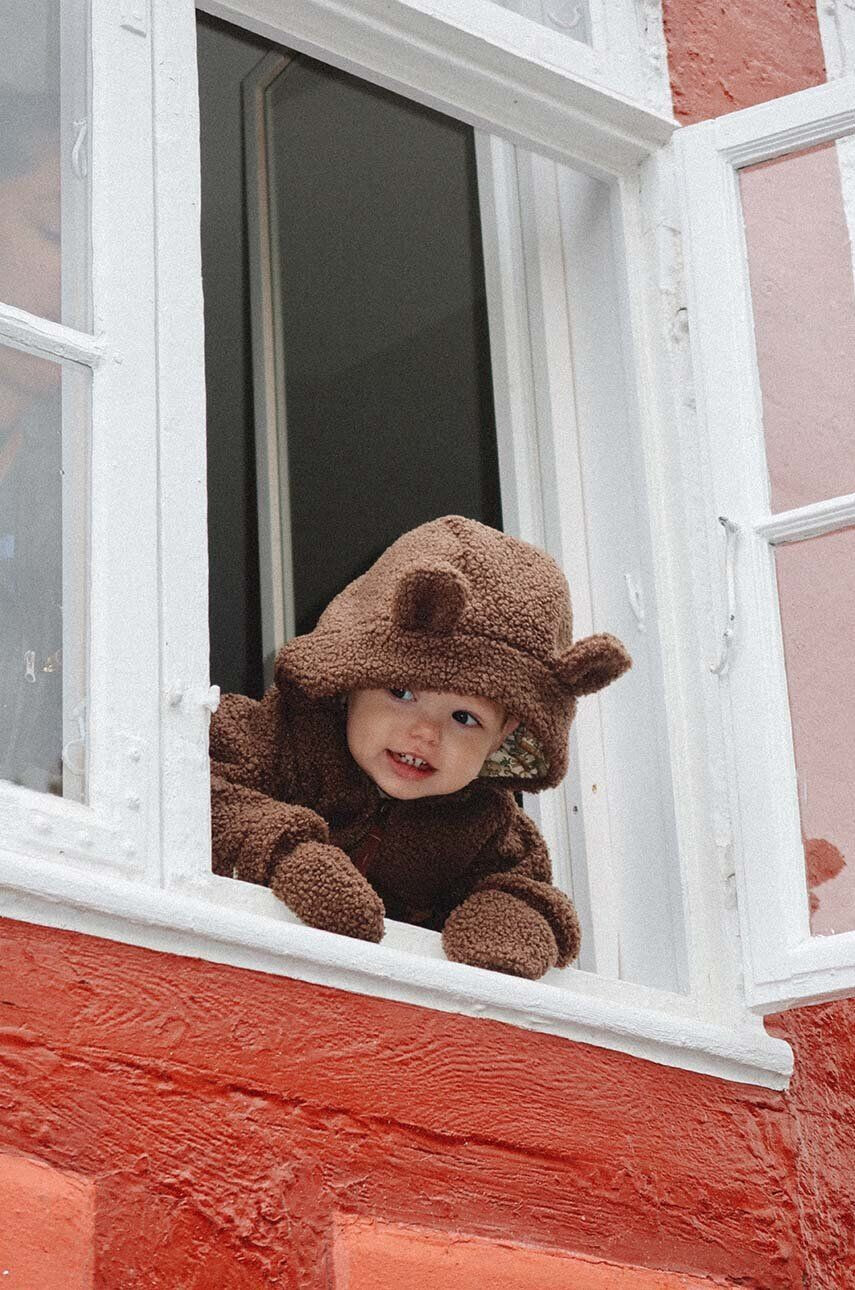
(79, 162)
(78, 741)
(731, 531)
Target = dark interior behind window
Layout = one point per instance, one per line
(386, 350)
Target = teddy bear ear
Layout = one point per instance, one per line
(592, 663)
(430, 599)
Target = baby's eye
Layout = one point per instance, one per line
(465, 718)
(406, 695)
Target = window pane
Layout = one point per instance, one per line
(379, 287)
(816, 585)
(43, 159)
(42, 490)
(799, 214)
(572, 17)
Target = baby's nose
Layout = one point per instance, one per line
(425, 729)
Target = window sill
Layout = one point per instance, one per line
(245, 926)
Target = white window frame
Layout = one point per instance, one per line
(117, 828)
(463, 58)
(552, 259)
(784, 963)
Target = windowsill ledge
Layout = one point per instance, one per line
(245, 926)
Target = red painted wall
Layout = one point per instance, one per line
(726, 54)
(224, 1117)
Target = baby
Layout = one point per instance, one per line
(377, 776)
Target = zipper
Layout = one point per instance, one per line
(366, 853)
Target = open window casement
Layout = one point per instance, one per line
(554, 418)
(770, 206)
(79, 741)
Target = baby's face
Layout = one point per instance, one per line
(423, 743)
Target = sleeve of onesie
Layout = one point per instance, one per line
(513, 919)
(253, 824)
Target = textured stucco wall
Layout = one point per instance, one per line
(726, 54)
(224, 1117)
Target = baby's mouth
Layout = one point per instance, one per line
(409, 764)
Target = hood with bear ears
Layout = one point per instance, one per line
(456, 606)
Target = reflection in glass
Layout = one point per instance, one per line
(799, 215)
(572, 17)
(41, 647)
(816, 586)
(43, 159)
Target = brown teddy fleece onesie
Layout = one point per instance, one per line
(452, 606)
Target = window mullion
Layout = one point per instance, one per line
(186, 696)
(809, 521)
(51, 339)
(123, 680)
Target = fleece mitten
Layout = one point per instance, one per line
(495, 930)
(320, 884)
(513, 924)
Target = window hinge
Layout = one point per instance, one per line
(208, 698)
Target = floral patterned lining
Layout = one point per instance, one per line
(520, 757)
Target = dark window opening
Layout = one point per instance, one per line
(387, 392)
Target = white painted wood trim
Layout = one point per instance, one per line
(118, 825)
(476, 61)
(278, 619)
(837, 31)
(674, 464)
(62, 831)
(822, 964)
(510, 341)
(544, 281)
(194, 923)
(49, 339)
(787, 124)
(783, 962)
(520, 474)
(123, 675)
(185, 695)
(809, 521)
(517, 326)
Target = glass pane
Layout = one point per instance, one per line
(42, 639)
(816, 585)
(43, 159)
(379, 291)
(799, 214)
(572, 17)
